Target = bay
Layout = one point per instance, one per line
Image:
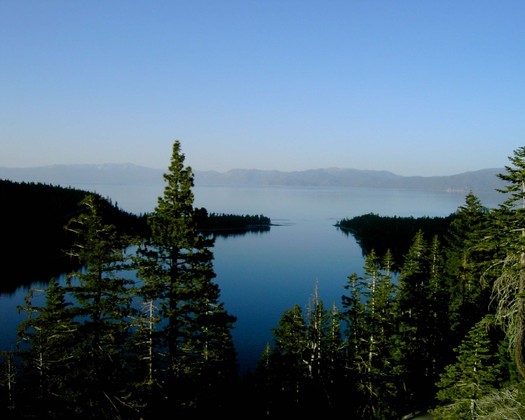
(263, 274)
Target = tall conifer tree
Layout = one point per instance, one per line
(372, 344)
(415, 307)
(177, 273)
(470, 377)
(102, 303)
(509, 236)
(47, 340)
(303, 370)
(77, 341)
(467, 259)
(323, 353)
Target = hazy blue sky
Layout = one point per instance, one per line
(414, 87)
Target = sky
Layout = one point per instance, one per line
(415, 87)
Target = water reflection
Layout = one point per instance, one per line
(233, 233)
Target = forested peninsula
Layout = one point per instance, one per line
(441, 329)
(34, 241)
(394, 234)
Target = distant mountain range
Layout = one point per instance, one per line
(481, 180)
(126, 174)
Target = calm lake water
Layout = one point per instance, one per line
(262, 275)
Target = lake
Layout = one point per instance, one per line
(263, 274)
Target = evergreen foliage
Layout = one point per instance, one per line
(392, 233)
(301, 372)
(508, 235)
(473, 375)
(32, 220)
(372, 348)
(221, 224)
(107, 345)
(439, 328)
(78, 350)
(467, 260)
(33, 216)
(176, 266)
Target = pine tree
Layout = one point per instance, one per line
(290, 351)
(508, 235)
(467, 259)
(473, 375)
(437, 324)
(354, 315)
(77, 353)
(46, 339)
(176, 268)
(417, 303)
(322, 355)
(303, 370)
(372, 344)
(103, 311)
(334, 379)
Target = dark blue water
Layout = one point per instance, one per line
(262, 275)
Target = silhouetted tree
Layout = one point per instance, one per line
(77, 340)
(372, 346)
(473, 375)
(509, 235)
(176, 268)
(415, 307)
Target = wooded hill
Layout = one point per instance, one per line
(393, 233)
(32, 220)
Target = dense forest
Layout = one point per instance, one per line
(437, 326)
(392, 233)
(32, 220)
(221, 224)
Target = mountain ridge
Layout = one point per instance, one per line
(128, 173)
